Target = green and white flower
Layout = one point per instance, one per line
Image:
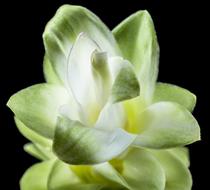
(102, 121)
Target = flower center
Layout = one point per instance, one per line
(133, 108)
(93, 114)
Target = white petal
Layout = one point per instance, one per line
(80, 75)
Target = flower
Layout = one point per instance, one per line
(101, 121)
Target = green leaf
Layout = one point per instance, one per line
(35, 178)
(173, 93)
(37, 107)
(49, 73)
(62, 30)
(177, 174)
(141, 170)
(126, 85)
(38, 151)
(167, 125)
(138, 42)
(75, 143)
(32, 135)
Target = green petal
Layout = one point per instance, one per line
(173, 93)
(61, 177)
(75, 143)
(62, 30)
(31, 149)
(108, 172)
(142, 171)
(81, 187)
(32, 135)
(116, 63)
(112, 116)
(101, 75)
(37, 107)
(165, 125)
(126, 85)
(138, 42)
(181, 153)
(49, 73)
(177, 174)
(35, 178)
(38, 151)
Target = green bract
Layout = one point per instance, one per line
(101, 121)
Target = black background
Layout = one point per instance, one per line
(182, 33)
